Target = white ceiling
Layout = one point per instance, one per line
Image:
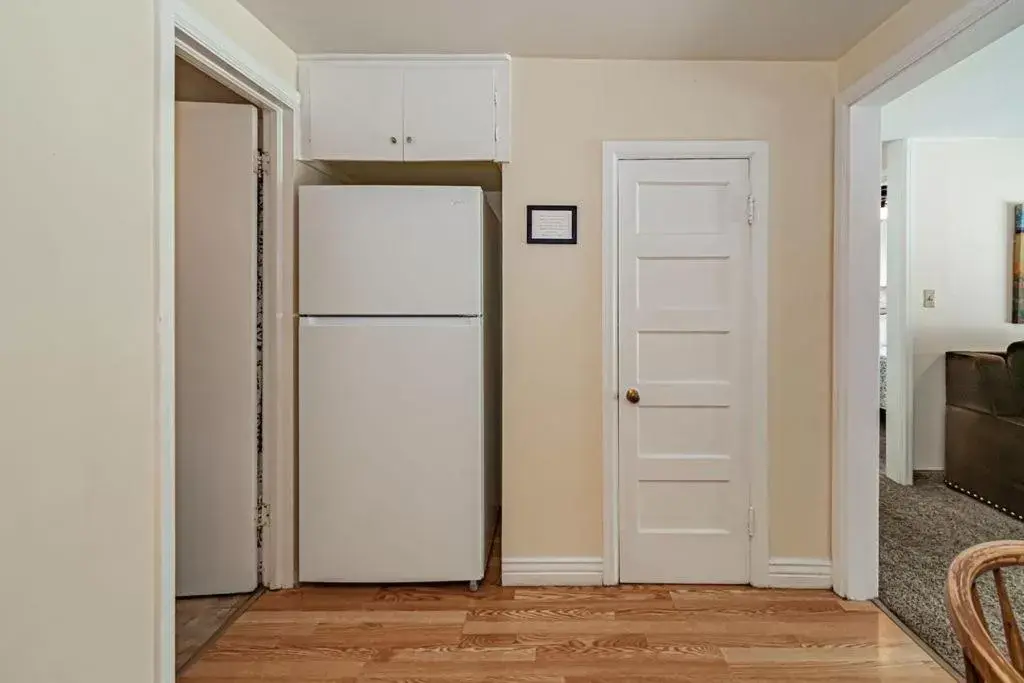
(978, 97)
(637, 29)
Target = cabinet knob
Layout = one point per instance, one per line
(408, 138)
(394, 140)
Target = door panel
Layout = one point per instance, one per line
(368, 250)
(215, 348)
(449, 112)
(354, 111)
(685, 347)
(391, 449)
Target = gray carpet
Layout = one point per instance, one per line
(921, 529)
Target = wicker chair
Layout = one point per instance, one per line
(984, 662)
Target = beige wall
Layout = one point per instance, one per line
(562, 111)
(250, 35)
(913, 19)
(78, 433)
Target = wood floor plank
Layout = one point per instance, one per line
(575, 650)
(357, 616)
(464, 678)
(271, 669)
(466, 653)
(858, 606)
(547, 613)
(623, 667)
(388, 636)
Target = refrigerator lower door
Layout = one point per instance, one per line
(391, 450)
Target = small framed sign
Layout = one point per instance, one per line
(547, 224)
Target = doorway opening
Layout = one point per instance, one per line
(219, 178)
(950, 150)
(916, 512)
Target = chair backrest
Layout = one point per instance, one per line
(983, 660)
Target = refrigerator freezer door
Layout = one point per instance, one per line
(390, 450)
(371, 250)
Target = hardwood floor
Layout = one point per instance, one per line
(641, 634)
(196, 620)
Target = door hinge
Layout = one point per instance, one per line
(260, 162)
(751, 204)
(750, 522)
(262, 515)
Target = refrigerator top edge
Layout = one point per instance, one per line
(474, 189)
(389, 321)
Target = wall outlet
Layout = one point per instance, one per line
(929, 298)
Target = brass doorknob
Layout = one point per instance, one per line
(632, 395)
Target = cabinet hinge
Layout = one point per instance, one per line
(262, 515)
(750, 522)
(751, 206)
(260, 162)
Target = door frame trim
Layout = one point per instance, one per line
(756, 152)
(184, 32)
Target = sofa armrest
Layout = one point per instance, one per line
(980, 382)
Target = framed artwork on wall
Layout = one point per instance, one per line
(1017, 292)
(550, 224)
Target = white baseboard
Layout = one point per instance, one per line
(799, 572)
(552, 571)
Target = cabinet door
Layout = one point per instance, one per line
(355, 111)
(449, 112)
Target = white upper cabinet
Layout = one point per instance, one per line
(405, 109)
(449, 112)
(354, 111)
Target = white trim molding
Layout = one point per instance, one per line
(757, 153)
(855, 276)
(194, 32)
(800, 572)
(551, 571)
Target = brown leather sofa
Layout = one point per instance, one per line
(985, 426)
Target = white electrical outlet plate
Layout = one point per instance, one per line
(929, 298)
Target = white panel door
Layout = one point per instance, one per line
(391, 484)
(372, 250)
(449, 112)
(355, 111)
(215, 348)
(684, 348)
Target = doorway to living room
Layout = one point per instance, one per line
(952, 415)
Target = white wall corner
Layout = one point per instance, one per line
(552, 571)
(799, 572)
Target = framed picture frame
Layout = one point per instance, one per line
(550, 224)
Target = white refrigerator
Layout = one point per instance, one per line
(399, 383)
